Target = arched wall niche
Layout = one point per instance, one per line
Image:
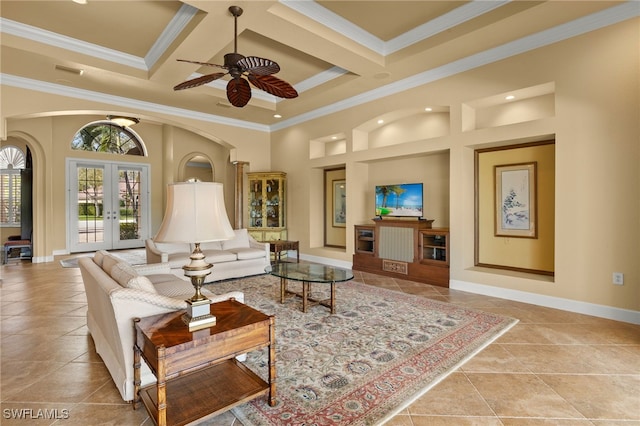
(196, 166)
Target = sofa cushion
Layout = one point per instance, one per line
(143, 283)
(219, 256)
(239, 241)
(178, 260)
(173, 247)
(161, 278)
(178, 289)
(248, 253)
(122, 272)
(108, 262)
(211, 245)
(98, 257)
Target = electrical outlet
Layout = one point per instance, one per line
(618, 278)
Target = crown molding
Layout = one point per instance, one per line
(442, 23)
(177, 24)
(53, 39)
(72, 92)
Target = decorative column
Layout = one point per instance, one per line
(239, 193)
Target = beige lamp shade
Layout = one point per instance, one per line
(195, 214)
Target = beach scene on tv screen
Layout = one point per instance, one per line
(399, 200)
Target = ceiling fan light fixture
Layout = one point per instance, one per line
(123, 121)
(243, 70)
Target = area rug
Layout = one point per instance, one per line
(133, 257)
(378, 353)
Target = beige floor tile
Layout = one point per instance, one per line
(495, 358)
(456, 387)
(39, 414)
(544, 422)
(454, 421)
(521, 395)
(70, 384)
(49, 361)
(599, 396)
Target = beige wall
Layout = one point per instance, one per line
(590, 105)
(535, 253)
(334, 235)
(169, 148)
(591, 110)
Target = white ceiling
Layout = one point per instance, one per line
(335, 53)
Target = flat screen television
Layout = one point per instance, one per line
(401, 200)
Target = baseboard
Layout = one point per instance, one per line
(586, 308)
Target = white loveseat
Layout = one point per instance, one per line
(116, 294)
(238, 257)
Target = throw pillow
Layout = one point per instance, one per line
(108, 262)
(122, 272)
(241, 240)
(143, 283)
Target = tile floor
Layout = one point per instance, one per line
(553, 368)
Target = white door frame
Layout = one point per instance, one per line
(111, 214)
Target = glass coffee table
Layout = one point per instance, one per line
(309, 273)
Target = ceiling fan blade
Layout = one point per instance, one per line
(258, 66)
(201, 63)
(273, 85)
(238, 92)
(199, 81)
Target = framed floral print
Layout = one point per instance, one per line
(515, 200)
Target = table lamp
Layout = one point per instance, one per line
(195, 214)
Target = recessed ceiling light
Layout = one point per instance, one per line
(510, 97)
(428, 109)
(380, 121)
(277, 116)
(334, 137)
(80, 1)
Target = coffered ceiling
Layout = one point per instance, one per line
(333, 52)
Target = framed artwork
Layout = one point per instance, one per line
(515, 200)
(339, 203)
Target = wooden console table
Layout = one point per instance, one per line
(197, 373)
(279, 246)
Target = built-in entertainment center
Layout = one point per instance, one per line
(403, 248)
(400, 242)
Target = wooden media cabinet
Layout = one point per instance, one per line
(403, 248)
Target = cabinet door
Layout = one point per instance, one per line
(273, 212)
(434, 247)
(255, 203)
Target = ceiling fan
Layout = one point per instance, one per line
(257, 70)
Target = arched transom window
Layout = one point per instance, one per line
(105, 136)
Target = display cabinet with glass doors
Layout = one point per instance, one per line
(267, 207)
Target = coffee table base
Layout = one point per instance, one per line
(306, 300)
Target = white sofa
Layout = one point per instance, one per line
(116, 294)
(238, 257)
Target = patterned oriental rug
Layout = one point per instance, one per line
(363, 365)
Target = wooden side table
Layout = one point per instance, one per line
(197, 373)
(279, 246)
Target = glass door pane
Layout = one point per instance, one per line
(131, 202)
(90, 206)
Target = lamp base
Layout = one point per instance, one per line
(198, 315)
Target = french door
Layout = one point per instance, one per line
(108, 205)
